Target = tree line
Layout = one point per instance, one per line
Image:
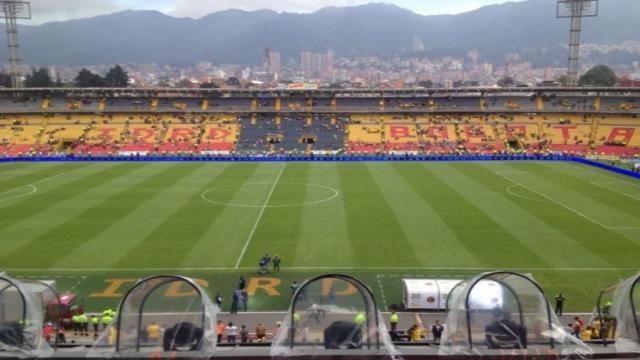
(40, 78)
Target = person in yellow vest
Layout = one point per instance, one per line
(154, 332)
(106, 320)
(95, 322)
(76, 324)
(393, 320)
(83, 320)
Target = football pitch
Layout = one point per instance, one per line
(95, 227)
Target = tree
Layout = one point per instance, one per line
(506, 81)
(600, 75)
(86, 78)
(563, 80)
(116, 77)
(185, 83)
(38, 78)
(208, 85)
(233, 81)
(5, 80)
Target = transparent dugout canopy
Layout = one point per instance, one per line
(21, 321)
(332, 313)
(504, 311)
(161, 315)
(618, 314)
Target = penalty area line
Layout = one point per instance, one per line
(567, 207)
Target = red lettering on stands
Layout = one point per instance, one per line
(438, 132)
(616, 134)
(565, 130)
(105, 133)
(218, 134)
(474, 132)
(399, 131)
(182, 133)
(143, 134)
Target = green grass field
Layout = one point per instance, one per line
(96, 227)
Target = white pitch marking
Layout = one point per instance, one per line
(566, 206)
(384, 299)
(34, 189)
(335, 194)
(602, 172)
(510, 191)
(264, 207)
(599, 184)
(82, 278)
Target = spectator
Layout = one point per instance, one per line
(154, 332)
(437, 329)
(261, 333)
(244, 334)
(231, 331)
(220, 330)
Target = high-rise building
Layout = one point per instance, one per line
(418, 44)
(272, 62)
(306, 63)
(473, 58)
(275, 63)
(329, 60)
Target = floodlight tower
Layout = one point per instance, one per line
(575, 10)
(11, 11)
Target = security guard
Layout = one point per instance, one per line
(106, 320)
(393, 319)
(83, 322)
(95, 322)
(76, 324)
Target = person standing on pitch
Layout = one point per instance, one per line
(276, 263)
(559, 304)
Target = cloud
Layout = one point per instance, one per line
(59, 10)
(199, 8)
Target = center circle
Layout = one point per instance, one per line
(314, 194)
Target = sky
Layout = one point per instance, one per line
(60, 10)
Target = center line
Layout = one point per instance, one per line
(264, 207)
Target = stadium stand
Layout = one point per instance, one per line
(84, 122)
(364, 135)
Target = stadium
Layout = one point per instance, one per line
(129, 183)
(264, 219)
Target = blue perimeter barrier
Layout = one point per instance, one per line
(322, 158)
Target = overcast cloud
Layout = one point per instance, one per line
(60, 10)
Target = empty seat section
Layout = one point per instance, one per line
(364, 135)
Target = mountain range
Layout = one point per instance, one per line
(529, 28)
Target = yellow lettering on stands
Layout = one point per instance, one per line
(112, 289)
(268, 284)
(176, 288)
